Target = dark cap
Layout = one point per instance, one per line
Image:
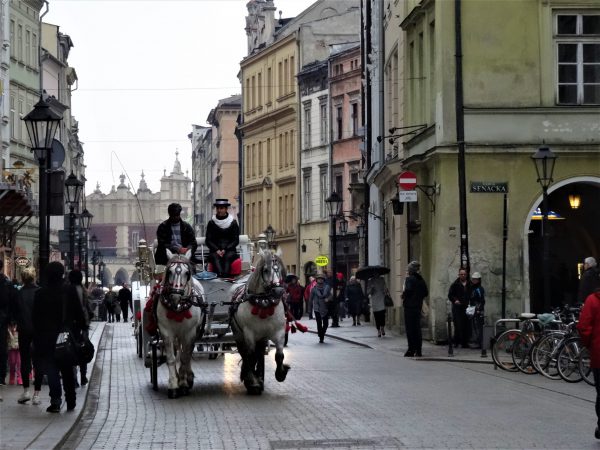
(174, 209)
(222, 202)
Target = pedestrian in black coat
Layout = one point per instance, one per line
(415, 291)
(459, 295)
(355, 297)
(126, 302)
(590, 279)
(53, 309)
(8, 298)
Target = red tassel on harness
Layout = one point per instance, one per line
(301, 328)
(179, 316)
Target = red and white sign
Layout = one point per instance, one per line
(407, 180)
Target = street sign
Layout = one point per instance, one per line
(407, 196)
(321, 260)
(407, 180)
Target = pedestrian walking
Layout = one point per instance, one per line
(295, 293)
(477, 302)
(459, 296)
(53, 311)
(76, 290)
(126, 301)
(109, 300)
(590, 279)
(376, 291)
(8, 296)
(321, 296)
(589, 332)
(14, 358)
(307, 300)
(24, 319)
(414, 292)
(355, 297)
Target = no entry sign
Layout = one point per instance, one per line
(407, 180)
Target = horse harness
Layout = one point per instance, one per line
(177, 293)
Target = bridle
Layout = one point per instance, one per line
(177, 292)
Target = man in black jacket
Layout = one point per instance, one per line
(8, 295)
(222, 238)
(415, 290)
(175, 234)
(459, 295)
(590, 279)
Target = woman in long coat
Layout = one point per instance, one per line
(355, 297)
(376, 291)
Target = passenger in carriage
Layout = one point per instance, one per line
(222, 239)
(174, 234)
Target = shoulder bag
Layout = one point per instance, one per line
(387, 300)
(65, 348)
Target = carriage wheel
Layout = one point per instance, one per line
(154, 368)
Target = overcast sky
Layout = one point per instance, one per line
(148, 70)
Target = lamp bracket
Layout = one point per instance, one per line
(430, 190)
(393, 137)
(316, 241)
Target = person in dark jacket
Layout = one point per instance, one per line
(24, 319)
(75, 289)
(459, 296)
(355, 297)
(222, 239)
(54, 309)
(174, 234)
(590, 279)
(295, 296)
(8, 298)
(415, 291)
(126, 301)
(589, 332)
(321, 296)
(478, 301)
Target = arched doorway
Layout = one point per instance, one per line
(574, 234)
(121, 277)
(310, 269)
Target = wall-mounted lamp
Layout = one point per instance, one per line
(316, 241)
(574, 201)
(392, 137)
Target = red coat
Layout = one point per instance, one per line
(589, 327)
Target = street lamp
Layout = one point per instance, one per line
(94, 246)
(73, 187)
(85, 222)
(101, 269)
(42, 123)
(270, 234)
(544, 161)
(334, 206)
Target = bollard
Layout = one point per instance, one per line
(450, 349)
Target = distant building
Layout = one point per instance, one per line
(122, 218)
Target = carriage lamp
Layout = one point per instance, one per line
(343, 224)
(544, 161)
(42, 123)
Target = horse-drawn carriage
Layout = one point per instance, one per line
(198, 313)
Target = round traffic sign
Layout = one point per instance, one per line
(407, 180)
(321, 260)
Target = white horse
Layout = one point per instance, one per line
(179, 315)
(258, 315)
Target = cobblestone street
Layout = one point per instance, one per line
(337, 395)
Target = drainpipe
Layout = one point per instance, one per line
(367, 118)
(460, 140)
(40, 47)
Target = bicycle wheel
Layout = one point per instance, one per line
(568, 361)
(521, 352)
(502, 350)
(544, 354)
(584, 367)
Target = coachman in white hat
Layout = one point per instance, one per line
(222, 238)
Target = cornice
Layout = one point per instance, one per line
(273, 116)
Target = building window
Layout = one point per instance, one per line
(28, 47)
(578, 58)
(260, 159)
(323, 190)
(135, 238)
(269, 156)
(323, 121)
(292, 147)
(339, 184)
(280, 79)
(306, 195)
(354, 119)
(269, 85)
(339, 122)
(260, 89)
(253, 87)
(307, 127)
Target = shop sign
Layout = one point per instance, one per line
(321, 260)
(22, 261)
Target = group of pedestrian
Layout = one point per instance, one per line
(467, 298)
(31, 318)
(117, 304)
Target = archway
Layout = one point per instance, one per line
(573, 235)
(310, 269)
(121, 277)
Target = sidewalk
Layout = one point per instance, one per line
(366, 335)
(30, 426)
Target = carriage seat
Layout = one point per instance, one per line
(237, 266)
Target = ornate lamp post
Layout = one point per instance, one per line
(73, 187)
(85, 222)
(101, 269)
(42, 123)
(544, 161)
(270, 234)
(94, 246)
(334, 206)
